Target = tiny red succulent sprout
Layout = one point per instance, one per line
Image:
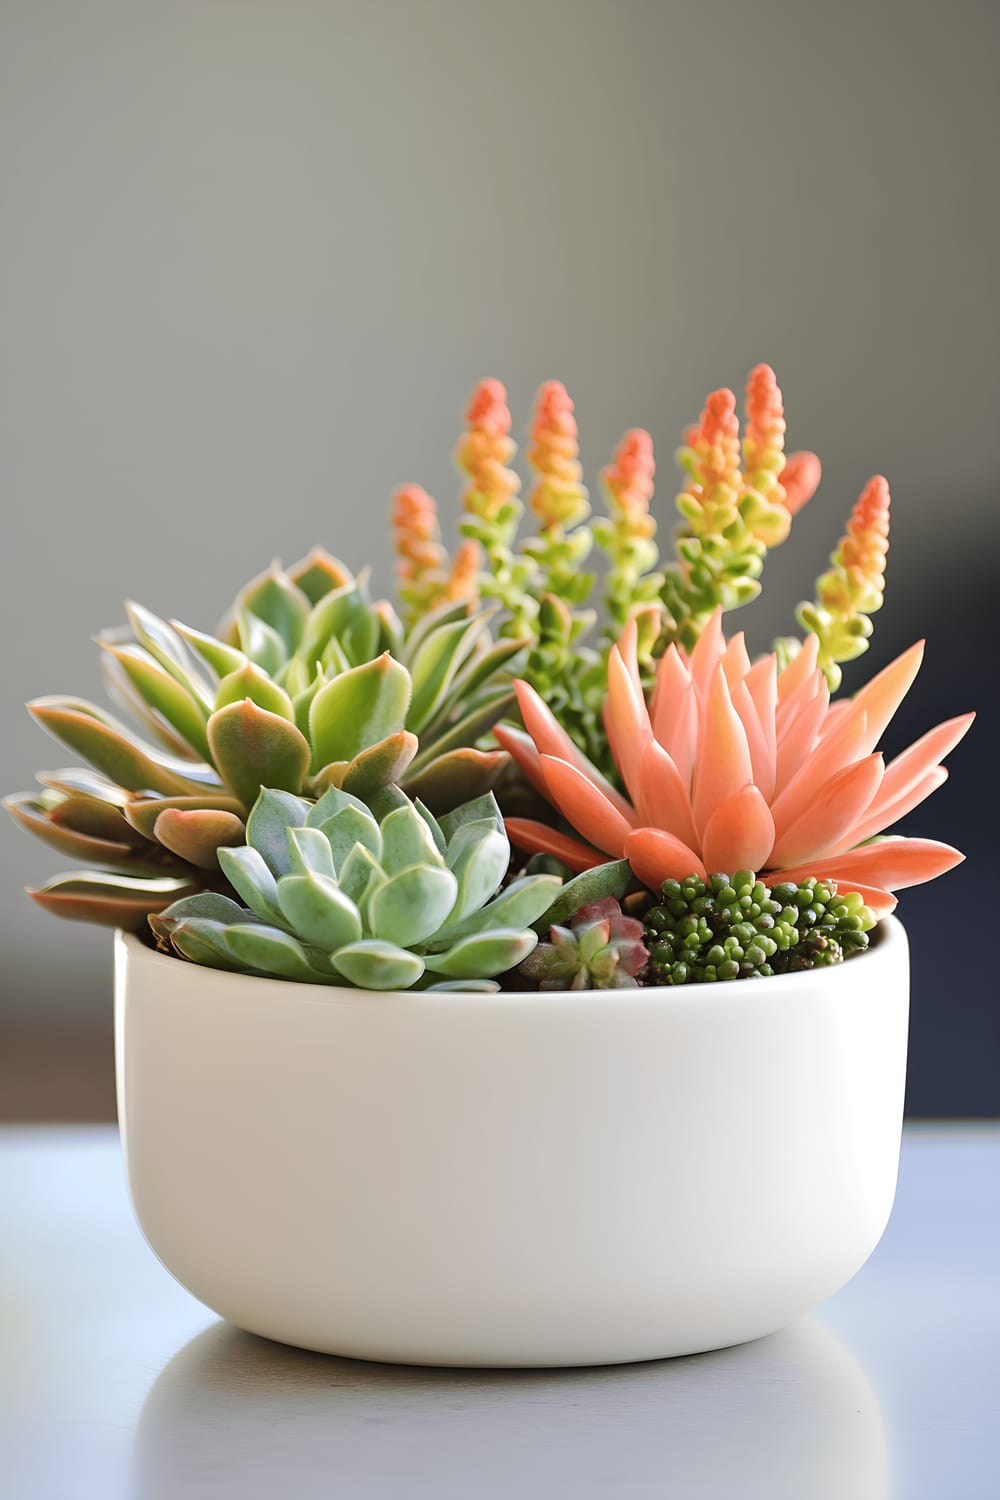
(601, 949)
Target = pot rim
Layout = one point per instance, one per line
(889, 945)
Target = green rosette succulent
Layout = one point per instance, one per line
(309, 684)
(737, 928)
(375, 893)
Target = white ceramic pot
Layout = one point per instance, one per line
(512, 1179)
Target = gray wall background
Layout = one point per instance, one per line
(254, 254)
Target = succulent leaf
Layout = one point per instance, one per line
(433, 825)
(348, 828)
(410, 906)
(263, 645)
(196, 835)
(309, 851)
(333, 800)
(359, 875)
(374, 964)
(109, 900)
(222, 658)
(479, 865)
(88, 783)
(252, 878)
(168, 648)
(254, 748)
(432, 620)
(519, 904)
(464, 731)
(433, 666)
(164, 694)
(110, 747)
(209, 906)
(380, 764)
(319, 574)
(271, 816)
(344, 616)
(481, 809)
(611, 879)
(357, 709)
(484, 954)
(202, 942)
(273, 599)
(72, 841)
(141, 813)
(458, 774)
(318, 911)
(248, 681)
(408, 839)
(127, 699)
(268, 950)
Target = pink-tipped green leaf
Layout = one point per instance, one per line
(110, 748)
(254, 748)
(197, 834)
(109, 900)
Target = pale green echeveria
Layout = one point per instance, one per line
(379, 894)
(308, 685)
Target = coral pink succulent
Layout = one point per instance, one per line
(735, 765)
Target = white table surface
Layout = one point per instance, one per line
(115, 1383)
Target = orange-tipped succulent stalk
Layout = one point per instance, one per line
(734, 505)
(627, 534)
(734, 765)
(559, 498)
(492, 503)
(852, 590)
(421, 558)
(462, 582)
(427, 577)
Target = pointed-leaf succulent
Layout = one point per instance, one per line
(308, 685)
(735, 766)
(379, 894)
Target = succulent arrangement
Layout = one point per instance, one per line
(328, 787)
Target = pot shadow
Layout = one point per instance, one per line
(793, 1415)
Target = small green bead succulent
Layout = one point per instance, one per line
(601, 949)
(378, 894)
(737, 928)
(308, 684)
